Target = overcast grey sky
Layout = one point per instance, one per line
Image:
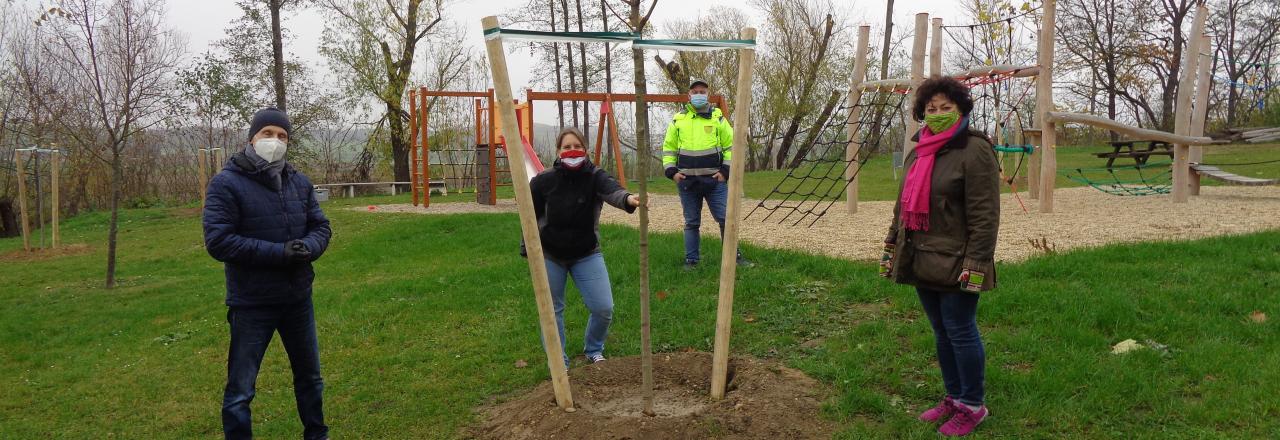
(203, 21)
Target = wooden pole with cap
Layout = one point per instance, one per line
(528, 221)
(855, 115)
(728, 260)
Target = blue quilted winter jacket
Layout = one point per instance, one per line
(248, 221)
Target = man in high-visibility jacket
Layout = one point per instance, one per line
(696, 154)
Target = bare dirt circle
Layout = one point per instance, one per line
(764, 401)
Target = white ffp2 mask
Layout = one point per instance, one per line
(270, 149)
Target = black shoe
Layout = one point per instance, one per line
(690, 265)
(743, 262)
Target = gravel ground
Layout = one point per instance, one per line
(1084, 218)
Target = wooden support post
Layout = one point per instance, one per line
(854, 125)
(202, 163)
(55, 162)
(728, 260)
(528, 222)
(493, 150)
(1044, 105)
(935, 50)
(21, 172)
(599, 137)
(917, 76)
(1032, 137)
(414, 177)
(423, 133)
(616, 148)
(1182, 110)
(1201, 109)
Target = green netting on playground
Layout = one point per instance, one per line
(1134, 180)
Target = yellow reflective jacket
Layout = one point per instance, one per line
(697, 146)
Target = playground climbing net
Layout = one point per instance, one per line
(809, 190)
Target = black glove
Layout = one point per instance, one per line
(297, 252)
(671, 172)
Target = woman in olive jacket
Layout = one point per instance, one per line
(942, 241)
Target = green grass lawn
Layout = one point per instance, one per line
(422, 318)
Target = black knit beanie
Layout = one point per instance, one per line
(269, 116)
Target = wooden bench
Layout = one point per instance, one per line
(1131, 150)
(437, 185)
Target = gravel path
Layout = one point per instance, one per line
(1083, 218)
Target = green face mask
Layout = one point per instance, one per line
(940, 122)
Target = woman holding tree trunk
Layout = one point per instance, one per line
(567, 199)
(942, 241)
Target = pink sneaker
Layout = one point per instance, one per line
(944, 409)
(964, 421)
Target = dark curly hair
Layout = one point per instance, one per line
(946, 86)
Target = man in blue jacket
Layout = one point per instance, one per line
(262, 221)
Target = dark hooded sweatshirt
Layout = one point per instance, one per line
(567, 204)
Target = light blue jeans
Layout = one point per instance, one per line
(592, 278)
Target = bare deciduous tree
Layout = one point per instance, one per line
(118, 58)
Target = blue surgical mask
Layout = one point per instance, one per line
(698, 100)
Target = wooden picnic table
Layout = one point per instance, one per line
(1135, 150)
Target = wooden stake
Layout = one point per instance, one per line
(528, 221)
(1044, 105)
(917, 76)
(493, 124)
(1182, 123)
(935, 50)
(855, 116)
(22, 199)
(1201, 109)
(55, 161)
(1032, 137)
(202, 162)
(414, 178)
(426, 147)
(728, 260)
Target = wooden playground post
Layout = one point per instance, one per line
(1201, 109)
(917, 76)
(616, 146)
(935, 50)
(1032, 137)
(22, 198)
(1182, 124)
(493, 148)
(414, 177)
(54, 162)
(426, 147)
(528, 222)
(1044, 104)
(728, 260)
(853, 127)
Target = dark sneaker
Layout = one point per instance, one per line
(690, 265)
(595, 358)
(743, 262)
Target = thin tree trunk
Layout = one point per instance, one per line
(573, 81)
(812, 138)
(555, 53)
(582, 53)
(399, 146)
(805, 90)
(114, 226)
(642, 146)
(277, 49)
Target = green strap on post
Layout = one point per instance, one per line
(617, 37)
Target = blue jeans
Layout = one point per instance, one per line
(693, 190)
(592, 278)
(954, 317)
(251, 332)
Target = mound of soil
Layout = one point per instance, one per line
(764, 401)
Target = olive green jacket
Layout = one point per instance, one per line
(964, 218)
